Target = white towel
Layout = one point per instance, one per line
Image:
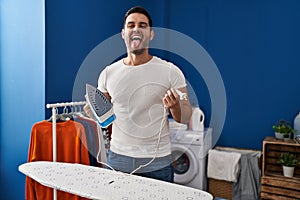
(223, 165)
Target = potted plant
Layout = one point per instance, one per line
(288, 162)
(283, 129)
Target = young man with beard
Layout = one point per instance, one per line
(141, 88)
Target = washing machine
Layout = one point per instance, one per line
(189, 152)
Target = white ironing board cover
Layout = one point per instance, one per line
(103, 184)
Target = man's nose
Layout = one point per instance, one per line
(136, 28)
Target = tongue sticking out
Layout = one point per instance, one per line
(136, 43)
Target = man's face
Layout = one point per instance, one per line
(137, 33)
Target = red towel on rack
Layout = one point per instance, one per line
(71, 148)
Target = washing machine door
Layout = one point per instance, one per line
(184, 163)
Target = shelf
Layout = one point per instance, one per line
(272, 148)
(284, 187)
(273, 184)
(272, 140)
(279, 175)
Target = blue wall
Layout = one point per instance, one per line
(253, 43)
(256, 46)
(22, 87)
(74, 28)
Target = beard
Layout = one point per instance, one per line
(138, 51)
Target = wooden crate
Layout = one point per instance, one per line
(272, 148)
(280, 188)
(273, 184)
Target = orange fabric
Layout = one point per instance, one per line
(71, 148)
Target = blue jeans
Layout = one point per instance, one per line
(160, 169)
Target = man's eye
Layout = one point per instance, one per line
(143, 25)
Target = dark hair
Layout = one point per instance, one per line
(138, 9)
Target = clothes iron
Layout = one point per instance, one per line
(100, 106)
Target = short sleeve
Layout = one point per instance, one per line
(102, 80)
(177, 79)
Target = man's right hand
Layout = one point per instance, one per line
(88, 111)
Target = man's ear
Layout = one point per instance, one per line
(122, 33)
(152, 35)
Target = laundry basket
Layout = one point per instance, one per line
(222, 188)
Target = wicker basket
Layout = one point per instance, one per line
(220, 188)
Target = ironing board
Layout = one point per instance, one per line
(103, 184)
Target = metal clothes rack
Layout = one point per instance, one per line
(54, 108)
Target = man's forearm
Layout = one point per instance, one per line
(181, 112)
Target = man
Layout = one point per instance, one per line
(141, 88)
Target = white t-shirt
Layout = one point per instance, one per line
(136, 94)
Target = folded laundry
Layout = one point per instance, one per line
(223, 165)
